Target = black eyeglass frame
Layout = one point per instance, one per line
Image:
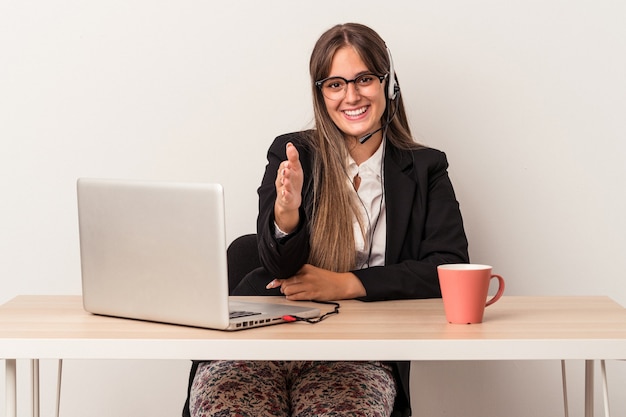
(381, 78)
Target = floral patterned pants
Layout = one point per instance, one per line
(298, 389)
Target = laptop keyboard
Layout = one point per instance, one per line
(238, 314)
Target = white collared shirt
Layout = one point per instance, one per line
(373, 213)
(371, 198)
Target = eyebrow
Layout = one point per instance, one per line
(357, 75)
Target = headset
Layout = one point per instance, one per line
(393, 89)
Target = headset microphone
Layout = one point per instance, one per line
(369, 135)
(393, 90)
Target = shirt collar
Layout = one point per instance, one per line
(371, 165)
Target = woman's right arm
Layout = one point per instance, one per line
(282, 257)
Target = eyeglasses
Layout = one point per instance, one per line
(335, 88)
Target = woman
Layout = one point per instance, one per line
(353, 209)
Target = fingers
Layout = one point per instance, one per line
(293, 155)
(289, 179)
(282, 283)
(289, 287)
(291, 168)
(297, 287)
(275, 283)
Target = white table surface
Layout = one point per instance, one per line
(514, 328)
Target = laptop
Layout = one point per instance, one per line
(156, 251)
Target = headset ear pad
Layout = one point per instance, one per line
(392, 86)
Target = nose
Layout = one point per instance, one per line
(352, 93)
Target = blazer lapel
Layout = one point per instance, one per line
(400, 190)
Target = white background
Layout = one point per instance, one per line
(527, 98)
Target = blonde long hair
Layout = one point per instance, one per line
(334, 205)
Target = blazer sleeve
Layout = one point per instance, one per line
(424, 229)
(282, 258)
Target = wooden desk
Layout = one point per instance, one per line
(515, 328)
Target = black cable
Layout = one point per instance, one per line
(315, 320)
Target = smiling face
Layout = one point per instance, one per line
(356, 114)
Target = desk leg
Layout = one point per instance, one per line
(11, 389)
(564, 380)
(605, 389)
(34, 368)
(589, 388)
(59, 376)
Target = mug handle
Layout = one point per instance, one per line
(500, 290)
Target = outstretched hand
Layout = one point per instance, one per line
(289, 180)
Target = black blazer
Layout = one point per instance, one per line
(424, 229)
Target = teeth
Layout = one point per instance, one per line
(355, 112)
